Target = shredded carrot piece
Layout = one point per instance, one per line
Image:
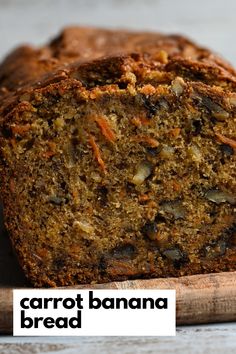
(52, 145)
(226, 140)
(143, 197)
(147, 139)
(176, 186)
(105, 129)
(97, 153)
(48, 154)
(152, 204)
(20, 129)
(175, 132)
(51, 151)
(12, 185)
(74, 194)
(145, 121)
(138, 122)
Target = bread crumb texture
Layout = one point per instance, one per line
(118, 157)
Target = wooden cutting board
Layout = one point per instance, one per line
(199, 298)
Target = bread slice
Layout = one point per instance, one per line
(118, 158)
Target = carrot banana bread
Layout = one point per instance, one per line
(118, 157)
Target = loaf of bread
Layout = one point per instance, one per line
(118, 157)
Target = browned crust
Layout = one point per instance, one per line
(77, 44)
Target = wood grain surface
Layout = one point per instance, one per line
(199, 298)
(204, 339)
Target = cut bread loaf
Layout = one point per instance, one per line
(118, 157)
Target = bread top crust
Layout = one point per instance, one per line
(26, 64)
(88, 57)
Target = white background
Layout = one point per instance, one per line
(210, 22)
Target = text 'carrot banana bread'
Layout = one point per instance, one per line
(118, 157)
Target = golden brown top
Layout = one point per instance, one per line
(90, 57)
(77, 44)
